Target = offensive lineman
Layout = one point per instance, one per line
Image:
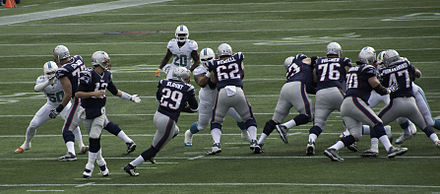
(183, 50)
(93, 84)
(293, 94)
(361, 79)
(228, 72)
(174, 95)
(52, 89)
(207, 96)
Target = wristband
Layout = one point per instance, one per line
(125, 96)
(59, 108)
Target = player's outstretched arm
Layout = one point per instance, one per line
(134, 98)
(40, 87)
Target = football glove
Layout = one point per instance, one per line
(55, 112)
(157, 73)
(135, 98)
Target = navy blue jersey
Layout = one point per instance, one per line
(228, 71)
(91, 81)
(398, 78)
(331, 72)
(72, 71)
(173, 96)
(299, 71)
(357, 81)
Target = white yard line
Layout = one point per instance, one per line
(70, 11)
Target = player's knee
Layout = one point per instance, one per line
(302, 119)
(348, 140)
(241, 125)
(269, 127)
(216, 126)
(113, 128)
(315, 130)
(251, 122)
(68, 136)
(94, 145)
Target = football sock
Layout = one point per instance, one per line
(290, 124)
(194, 128)
(30, 132)
(385, 141)
(137, 161)
(263, 136)
(388, 131)
(374, 144)
(365, 130)
(216, 133)
(433, 137)
(78, 137)
(252, 132)
(312, 137)
(337, 146)
(124, 137)
(71, 147)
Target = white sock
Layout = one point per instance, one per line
(433, 137)
(71, 147)
(263, 136)
(92, 157)
(388, 131)
(312, 137)
(78, 137)
(137, 161)
(365, 130)
(100, 160)
(374, 144)
(216, 133)
(385, 141)
(346, 132)
(30, 132)
(290, 124)
(337, 146)
(124, 137)
(252, 132)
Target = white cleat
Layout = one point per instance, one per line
(104, 170)
(215, 149)
(402, 138)
(412, 128)
(245, 136)
(188, 138)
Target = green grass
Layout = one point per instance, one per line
(266, 32)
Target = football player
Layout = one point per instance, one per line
(52, 89)
(183, 50)
(398, 75)
(174, 95)
(361, 80)
(228, 72)
(93, 84)
(207, 96)
(293, 94)
(68, 74)
(329, 74)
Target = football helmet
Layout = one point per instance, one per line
(390, 56)
(334, 48)
(224, 49)
(367, 55)
(288, 61)
(101, 58)
(206, 55)
(181, 74)
(182, 33)
(379, 59)
(49, 69)
(60, 52)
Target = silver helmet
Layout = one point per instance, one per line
(334, 48)
(224, 49)
(49, 69)
(288, 61)
(182, 33)
(379, 59)
(181, 74)
(390, 56)
(367, 55)
(206, 55)
(100, 58)
(60, 52)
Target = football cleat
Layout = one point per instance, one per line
(259, 149)
(68, 157)
(104, 170)
(131, 170)
(310, 150)
(245, 135)
(87, 173)
(22, 148)
(188, 138)
(214, 149)
(369, 153)
(282, 130)
(437, 144)
(353, 147)
(131, 147)
(84, 149)
(402, 138)
(396, 151)
(412, 128)
(254, 145)
(19, 150)
(331, 153)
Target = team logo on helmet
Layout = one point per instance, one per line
(101, 58)
(224, 49)
(49, 69)
(182, 33)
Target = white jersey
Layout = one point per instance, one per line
(182, 55)
(54, 92)
(206, 94)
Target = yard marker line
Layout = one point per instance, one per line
(34, 190)
(196, 157)
(146, 168)
(86, 184)
(232, 184)
(91, 178)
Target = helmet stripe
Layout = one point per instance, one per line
(181, 27)
(205, 51)
(48, 65)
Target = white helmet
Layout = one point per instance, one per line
(206, 55)
(100, 58)
(181, 74)
(288, 61)
(182, 33)
(224, 49)
(367, 55)
(334, 48)
(390, 56)
(49, 69)
(379, 59)
(60, 52)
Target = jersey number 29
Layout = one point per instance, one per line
(171, 99)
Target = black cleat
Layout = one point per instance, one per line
(131, 147)
(131, 170)
(331, 153)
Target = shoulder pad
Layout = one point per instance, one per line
(199, 70)
(239, 55)
(193, 45)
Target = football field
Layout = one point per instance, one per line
(135, 34)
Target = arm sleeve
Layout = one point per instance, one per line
(112, 88)
(158, 93)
